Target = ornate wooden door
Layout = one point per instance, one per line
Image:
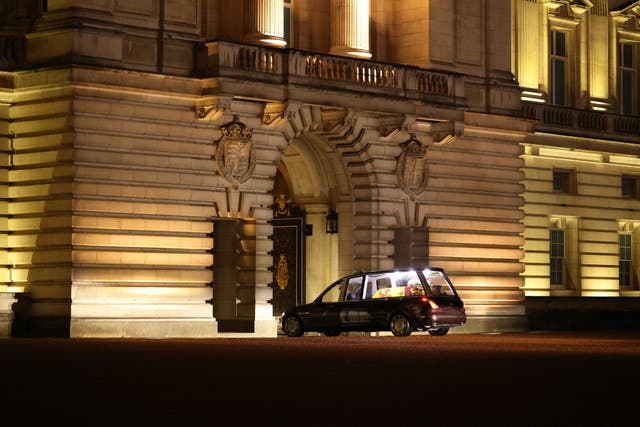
(288, 257)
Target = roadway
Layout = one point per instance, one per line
(531, 379)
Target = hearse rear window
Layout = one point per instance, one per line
(437, 282)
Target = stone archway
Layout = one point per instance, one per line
(307, 177)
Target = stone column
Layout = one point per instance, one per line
(264, 22)
(350, 28)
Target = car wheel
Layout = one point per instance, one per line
(332, 333)
(438, 332)
(399, 325)
(292, 326)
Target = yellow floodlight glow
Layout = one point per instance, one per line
(529, 99)
(275, 42)
(599, 105)
(570, 154)
(11, 289)
(532, 96)
(600, 293)
(537, 293)
(624, 160)
(359, 54)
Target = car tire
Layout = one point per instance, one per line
(332, 333)
(400, 325)
(292, 326)
(438, 332)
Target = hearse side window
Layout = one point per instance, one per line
(336, 292)
(394, 284)
(368, 289)
(354, 289)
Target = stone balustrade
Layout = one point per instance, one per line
(343, 69)
(258, 59)
(226, 59)
(577, 122)
(434, 83)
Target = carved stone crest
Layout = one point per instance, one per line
(282, 206)
(235, 157)
(412, 168)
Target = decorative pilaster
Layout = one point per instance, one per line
(529, 39)
(599, 51)
(350, 28)
(264, 22)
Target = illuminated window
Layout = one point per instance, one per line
(629, 187)
(559, 67)
(564, 181)
(287, 21)
(627, 78)
(624, 264)
(556, 255)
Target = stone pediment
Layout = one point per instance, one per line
(568, 9)
(628, 17)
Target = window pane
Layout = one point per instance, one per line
(287, 25)
(626, 55)
(563, 181)
(336, 293)
(560, 44)
(626, 91)
(558, 181)
(556, 257)
(625, 274)
(625, 246)
(624, 265)
(629, 186)
(558, 82)
(354, 289)
(556, 272)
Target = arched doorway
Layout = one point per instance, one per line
(305, 256)
(289, 247)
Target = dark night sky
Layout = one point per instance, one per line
(615, 4)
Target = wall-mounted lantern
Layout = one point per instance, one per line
(332, 222)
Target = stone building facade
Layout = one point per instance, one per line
(581, 161)
(189, 168)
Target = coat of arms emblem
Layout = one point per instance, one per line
(282, 272)
(412, 168)
(235, 157)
